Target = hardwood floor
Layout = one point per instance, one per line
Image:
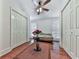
(15, 51)
(56, 52)
(29, 53)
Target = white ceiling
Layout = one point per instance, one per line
(55, 7)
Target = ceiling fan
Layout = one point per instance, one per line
(40, 5)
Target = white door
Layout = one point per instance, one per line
(21, 24)
(77, 25)
(66, 29)
(74, 27)
(19, 29)
(13, 29)
(71, 29)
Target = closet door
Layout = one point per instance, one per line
(72, 33)
(19, 29)
(66, 29)
(71, 30)
(74, 27)
(13, 29)
(77, 25)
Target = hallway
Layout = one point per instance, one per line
(55, 19)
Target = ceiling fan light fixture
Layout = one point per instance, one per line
(38, 10)
(41, 10)
(40, 5)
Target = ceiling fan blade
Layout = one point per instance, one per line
(35, 2)
(45, 9)
(46, 2)
(40, 3)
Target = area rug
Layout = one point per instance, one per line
(29, 53)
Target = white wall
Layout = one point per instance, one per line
(33, 27)
(49, 25)
(4, 26)
(5, 39)
(56, 29)
(0, 23)
(44, 25)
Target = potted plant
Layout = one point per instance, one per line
(36, 38)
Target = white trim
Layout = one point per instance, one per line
(19, 12)
(71, 54)
(65, 6)
(5, 51)
(61, 15)
(18, 44)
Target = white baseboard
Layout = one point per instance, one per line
(77, 58)
(5, 51)
(18, 44)
(71, 54)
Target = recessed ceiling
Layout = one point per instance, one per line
(55, 7)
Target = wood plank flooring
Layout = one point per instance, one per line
(15, 51)
(29, 53)
(56, 52)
